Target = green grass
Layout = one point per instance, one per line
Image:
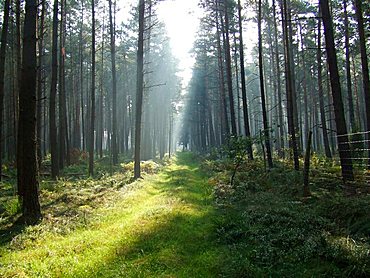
(162, 226)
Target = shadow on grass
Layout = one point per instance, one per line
(178, 246)
(8, 233)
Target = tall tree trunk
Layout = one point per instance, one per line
(304, 85)
(342, 135)
(27, 176)
(292, 70)
(278, 84)
(53, 92)
(365, 70)
(321, 94)
(4, 36)
(228, 70)
(114, 85)
(40, 81)
(81, 42)
(139, 89)
(348, 70)
(244, 87)
(289, 88)
(262, 88)
(62, 112)
(92, 109)
(224, 120)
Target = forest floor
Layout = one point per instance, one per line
(185, 219)
(161, 226)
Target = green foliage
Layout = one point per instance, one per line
(12, 206)
(270, 230)
(148, 167)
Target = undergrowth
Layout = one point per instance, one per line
(271, 230)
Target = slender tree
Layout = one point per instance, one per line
(348, 68)
(53, 93)
(4, 35)
(278, 83)
(262, 88)
(92, 107)
(321, 93)
(114, 85)
(289, 88)
(40, 81)
(244, 87)
(139, 88)
(228, 69)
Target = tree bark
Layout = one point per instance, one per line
(114, 85)
(365, 71)
(53, 92)
(27, 157)
(4, 37)
(92, 108)
(289, 88)
(40, 81)
(278, 84)
(139, 89)
(244, 87)
(321, 94)
(262, 88)
(348, 70)
(228, 70)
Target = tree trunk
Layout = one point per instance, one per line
(139, 89)
(321, 94)
(53, 92)
(365, 70)
(228, 71)
(342, 135)
(114, 85)
(4, 35)
(289, 88)
(62, 104)
(27, 157)
(278, 84)
(348, 70)
(40, 81)
(262, 88)
(92, 109)
(223, 114)
(306, 170)
(244, 87)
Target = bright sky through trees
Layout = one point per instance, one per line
(181, 18)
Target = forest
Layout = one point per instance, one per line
(118, 158)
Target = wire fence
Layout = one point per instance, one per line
(356, 161)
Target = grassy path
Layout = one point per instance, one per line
(164, 227)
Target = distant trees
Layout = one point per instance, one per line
(288, 56)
